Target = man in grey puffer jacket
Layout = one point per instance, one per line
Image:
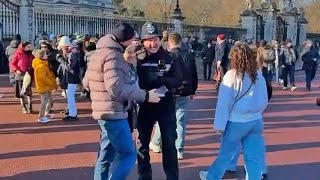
(111, 88)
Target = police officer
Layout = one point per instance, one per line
(157, 69)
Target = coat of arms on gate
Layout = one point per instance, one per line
(150, 28)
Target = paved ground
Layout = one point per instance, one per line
(31, 151)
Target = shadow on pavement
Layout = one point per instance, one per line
(86, 173)
(56, 126)
(75, 148)
(279, 172)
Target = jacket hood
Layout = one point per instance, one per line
(14, 44)
(109, 41)
(20, 49)
(36, 62)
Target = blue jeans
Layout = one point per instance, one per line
(249, 135)
(116, 147)
(234, 161)
(71, 99)
(181, 107)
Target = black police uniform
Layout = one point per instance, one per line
(164, 112)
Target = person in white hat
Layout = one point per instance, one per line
(69, 74)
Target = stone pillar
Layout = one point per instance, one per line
(270, 25)
(202, 36)
(292, 26)
(249, 22)
(26, 26)
(177, 18)
(269, 13)
(302, 23)
(303, 29)
(177, 25)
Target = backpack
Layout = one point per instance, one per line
(186, 66)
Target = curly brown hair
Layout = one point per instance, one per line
(244, 60)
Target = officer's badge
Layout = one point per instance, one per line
(150, 28)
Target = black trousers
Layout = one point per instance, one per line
(288, 70)
(164, 113)
(207, 69)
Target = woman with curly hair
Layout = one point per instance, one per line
(241, 101)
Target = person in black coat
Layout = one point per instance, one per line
(221, 55)
(208, 56)
(69, 74)
(4, 63)
(310, 58)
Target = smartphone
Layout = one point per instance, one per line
(162, 90)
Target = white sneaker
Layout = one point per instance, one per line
(155, 148)
(203, 175)
(43, 120)
(63, 94)
(180, 155)
(293, 88)
(285, 88)
(281, 81)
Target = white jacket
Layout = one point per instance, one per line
(249, 108)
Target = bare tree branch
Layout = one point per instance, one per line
(316, 3)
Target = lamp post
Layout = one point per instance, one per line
(177, 18)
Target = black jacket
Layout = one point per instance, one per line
(308, 59)
(148, 72)
(208, 54)
(222, 53)
(53, 63)
(69, 69)
(188, 68)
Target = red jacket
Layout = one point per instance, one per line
(21, 61)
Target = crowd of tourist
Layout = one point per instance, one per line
(143, 83)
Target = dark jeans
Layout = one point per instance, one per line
(116, 148)
(310, 74)
(164, 113)
(207, 66)
(288, 70)
(308, 79)
(267, 75)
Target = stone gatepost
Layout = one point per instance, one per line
(249, 22)
(269, 14)
(26, 26)
(291, 20)
(302, 23)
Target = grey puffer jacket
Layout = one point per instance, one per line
(109, 82)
